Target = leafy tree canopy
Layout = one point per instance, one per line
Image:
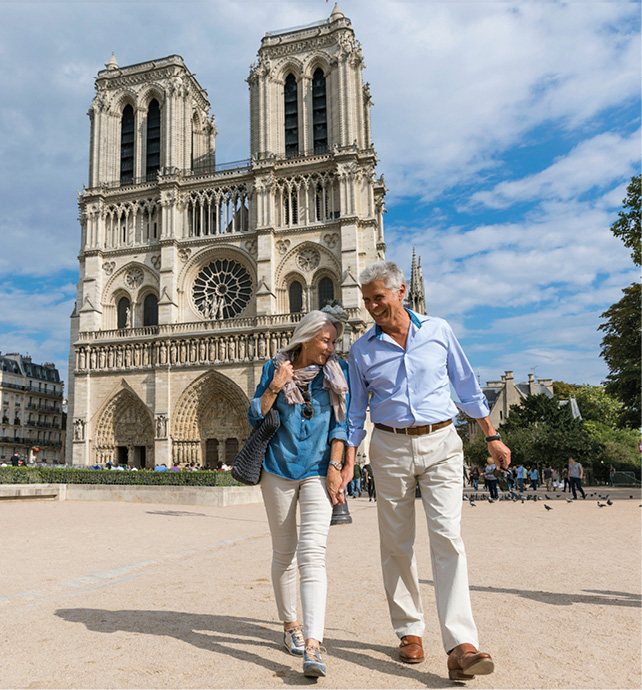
(563, 390)
(597, 405)
(621, 347)
(627, 226)
(540, 410)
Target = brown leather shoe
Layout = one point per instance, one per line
(465, 662)
(411, 650)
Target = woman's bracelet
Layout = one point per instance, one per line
(274, 391)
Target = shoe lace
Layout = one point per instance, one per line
(297, 635)
(315, 652)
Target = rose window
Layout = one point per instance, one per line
(222, 289)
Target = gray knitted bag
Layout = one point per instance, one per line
(248, 463)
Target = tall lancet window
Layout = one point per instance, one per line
(153, 140)
(326, 292)
(319, 112)
(291, 116)
(296, 297)
(127, 145)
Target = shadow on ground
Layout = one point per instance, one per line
(224, 635)
(604, 598)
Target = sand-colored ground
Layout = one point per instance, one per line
(117, 595)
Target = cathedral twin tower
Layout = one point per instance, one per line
(193, 274)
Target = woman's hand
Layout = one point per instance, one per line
(335, 481)
(282, 375)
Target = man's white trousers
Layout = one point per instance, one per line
(435, 462)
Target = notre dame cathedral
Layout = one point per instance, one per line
(194, 273)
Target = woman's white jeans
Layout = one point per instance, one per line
(308, 551)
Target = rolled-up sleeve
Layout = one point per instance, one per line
(340, 429)
(254, 415)
(472, 400)
(358, 401)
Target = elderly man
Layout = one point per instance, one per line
(403, 367)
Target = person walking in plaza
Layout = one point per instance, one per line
(611, 476)
(575, 476)
(548, 477)
(403, 368)
(491, 479)
(520, 472)
(307, 384)
(355, 484)
(474, 478)
(533, 475)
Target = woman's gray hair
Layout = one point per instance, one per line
(388, 271)
(309, 327)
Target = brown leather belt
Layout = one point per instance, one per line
(414, 430)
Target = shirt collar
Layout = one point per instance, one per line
(378, 332)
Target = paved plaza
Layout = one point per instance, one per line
(122, 595)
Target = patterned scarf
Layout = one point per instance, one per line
(333, 381)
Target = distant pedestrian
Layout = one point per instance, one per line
(520, 472)
(15, 460)
(474, 477)
(491, 479)
(355, 484)
(533, 476)
(575, 476)
(548, 477)
(611, 476)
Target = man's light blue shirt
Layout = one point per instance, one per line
(410, 387)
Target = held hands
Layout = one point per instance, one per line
(282, 375)
(336, 483)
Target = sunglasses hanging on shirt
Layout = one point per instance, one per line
(307, 411)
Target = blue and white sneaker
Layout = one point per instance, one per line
(313, 667)
(293, 640)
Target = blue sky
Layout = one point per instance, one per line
(507, 134)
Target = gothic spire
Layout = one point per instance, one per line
(416, 294)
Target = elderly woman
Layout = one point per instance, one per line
(307, 384)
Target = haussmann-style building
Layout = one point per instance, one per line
(194, 273)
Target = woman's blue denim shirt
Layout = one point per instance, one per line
(301, 447)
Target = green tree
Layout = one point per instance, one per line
(597, 405)
(627, 226)
(563, 390)
(621, 347)
(540, 410)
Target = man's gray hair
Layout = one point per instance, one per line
(309, 327)
(388, 271)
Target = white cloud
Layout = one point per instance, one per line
(595, 162)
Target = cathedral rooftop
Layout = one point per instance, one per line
(336, 15)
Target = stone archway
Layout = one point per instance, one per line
(209, 421)
(125, 432)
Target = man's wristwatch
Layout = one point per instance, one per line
(495, 437)
(338, 465)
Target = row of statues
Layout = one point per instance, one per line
(181, 351)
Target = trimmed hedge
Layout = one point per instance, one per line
(66, 475)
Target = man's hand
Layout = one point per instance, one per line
(500, 453)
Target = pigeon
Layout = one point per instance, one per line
(547, 497)
(609, 502)
(490, 500)
(474, 505)
(568, 500)
(601, 505)
(558, 495)
(547, 507)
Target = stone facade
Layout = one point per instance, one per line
(193, 274)
(32, 423)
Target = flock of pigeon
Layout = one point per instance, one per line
(514, 497)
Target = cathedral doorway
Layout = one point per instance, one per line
(210, 421)
(124, 431)
(211, 453)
